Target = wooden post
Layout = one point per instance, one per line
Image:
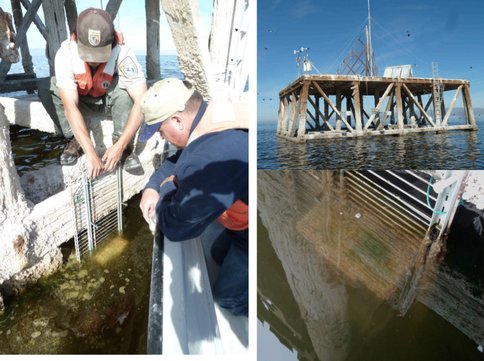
(292, 118)
(153, 39)
(338, 113)
(317, 112)
(193, 55)
(285, 115)
(398, 96)
(71, 14)
(303, 101)
(55, 22)
(24, 49)
(113, 7)
(355, 87)
(468, 104)
(21, 35)
(40, 25)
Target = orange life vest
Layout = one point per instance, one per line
(97, 85)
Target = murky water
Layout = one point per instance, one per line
(330, 276)
(98, 306)
(451, 150)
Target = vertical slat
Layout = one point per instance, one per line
(153, 39)
(55, 22)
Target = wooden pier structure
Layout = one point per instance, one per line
(342, 106)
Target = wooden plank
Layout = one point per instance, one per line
(37, 21)
(410, 95)
(71, 14)
(21, 34)
(355, 87)
(55, 22)
(380, 103)
(303, 101)
(19, 84)
(153, 39)
(471, 119)
(452, 103)
(24, 49)
(398, 96)
(325, 119)
(292, 117)
(326, 98)
(113, 7)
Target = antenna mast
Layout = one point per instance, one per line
(370, 49)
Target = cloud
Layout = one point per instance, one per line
(304, 8)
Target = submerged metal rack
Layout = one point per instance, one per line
(419, 200)
(97, 210)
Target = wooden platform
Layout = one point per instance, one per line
(331, 106)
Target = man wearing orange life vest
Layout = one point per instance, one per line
(205, 181)
(95, 73)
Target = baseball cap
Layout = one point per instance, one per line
(163, 99)
(95, 34)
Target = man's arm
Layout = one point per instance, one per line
(70, 100)
(113, 154)
(151, 193)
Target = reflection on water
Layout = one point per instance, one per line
(99, 306)
(330, 276)
(449, 150)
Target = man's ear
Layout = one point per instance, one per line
(178, 121)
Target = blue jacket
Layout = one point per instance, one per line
(212, 173)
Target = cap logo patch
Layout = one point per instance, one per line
(105, 84)
(94, 37)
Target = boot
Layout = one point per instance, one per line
(72, 151)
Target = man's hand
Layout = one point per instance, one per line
(148, 204)
(94, 166)
(112, 156)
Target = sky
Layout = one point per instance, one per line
(130, 21)
(415, 32)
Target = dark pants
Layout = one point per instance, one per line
(115, 103)
(231, 291)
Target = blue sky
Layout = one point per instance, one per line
(132, 23)
(413, 32)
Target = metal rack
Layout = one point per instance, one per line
(97, 210)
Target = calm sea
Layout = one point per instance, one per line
(451, 150)
(169, 66)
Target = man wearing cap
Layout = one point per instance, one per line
(205, 181)
(95, 73)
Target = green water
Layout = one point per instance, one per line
(90, 307)
(87, 307)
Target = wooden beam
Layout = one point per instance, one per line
(19, 84)
(410, 95)
(325, 119)
(71, 14)
(380, 103)
(153, 39)
(303, 101)
(292, 117)
(387, 109)
(24, 49)
(326, 98)
(451, 107)
(55, 22)
(37, 21)
(21, 34)
(355, 87)
(113, 7)
(471, 119)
